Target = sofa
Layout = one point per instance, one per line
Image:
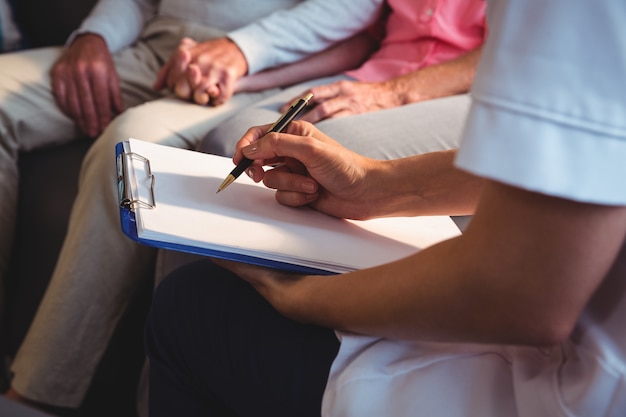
(43, 212)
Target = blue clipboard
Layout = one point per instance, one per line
(127, 204)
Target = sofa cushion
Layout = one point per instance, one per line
(10, 36)
(49, 22)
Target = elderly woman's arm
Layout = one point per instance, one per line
(344, 98)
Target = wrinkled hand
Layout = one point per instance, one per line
(85, 84)
(205, 72)
(313, 170)
(345, 98)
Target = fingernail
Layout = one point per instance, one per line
(311, 197)
(308, 187)
(201, 98)
(250, 149)
(250, 172)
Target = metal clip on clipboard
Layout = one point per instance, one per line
(127, 182)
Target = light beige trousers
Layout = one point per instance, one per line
(99, 268)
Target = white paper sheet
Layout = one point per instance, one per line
(245, 219)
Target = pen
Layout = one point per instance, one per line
(278, 126)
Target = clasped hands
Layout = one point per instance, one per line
(208, 73)
(86, 85)
(203, 72)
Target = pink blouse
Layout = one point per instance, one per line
(424, 32)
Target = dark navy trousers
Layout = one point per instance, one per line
(217, 348)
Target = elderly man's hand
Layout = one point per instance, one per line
(85, 84)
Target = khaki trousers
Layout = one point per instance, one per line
(99, 268)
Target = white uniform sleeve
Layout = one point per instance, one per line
(289, 35)
(549, 100)
(119, 22)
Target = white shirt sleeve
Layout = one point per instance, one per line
(289, 35)
(119, 22)
(550, 102)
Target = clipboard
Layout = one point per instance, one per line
(167, 200)
(129, 202)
